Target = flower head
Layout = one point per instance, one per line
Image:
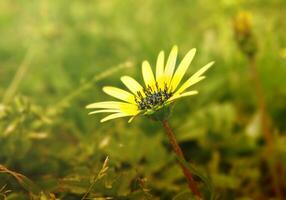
(159, 92)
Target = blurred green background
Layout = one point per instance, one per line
(56, 55)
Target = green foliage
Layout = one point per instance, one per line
(56, 55)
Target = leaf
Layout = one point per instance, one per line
(200, 174)
(185, 195)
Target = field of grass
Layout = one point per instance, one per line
(55, 57)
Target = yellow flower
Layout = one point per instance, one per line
(159, 92)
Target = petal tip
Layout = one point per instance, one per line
(88, 106)
(175, 48)
(103, 120)
(131, 119)
(105, 88)
(122, 77)
(144, 63)
(194, 50)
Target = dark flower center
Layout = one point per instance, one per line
(151, 98)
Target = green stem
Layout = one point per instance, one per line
(176, 148)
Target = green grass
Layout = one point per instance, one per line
(56, 55)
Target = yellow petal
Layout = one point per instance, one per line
(160, 69)
(148, 75)
(171, 63)
(131, 84)
(110, 105)
(119, 94)
(180, 72)
(114, 116)
(185, 94)
(160, 64)
(131, 119)
(194, 78)
(126, 108)
(189, 83)
(103, 111)
(129, 110)
(104, 104)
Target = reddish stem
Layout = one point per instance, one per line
(265, 124)
(176, 148)
(261, 102)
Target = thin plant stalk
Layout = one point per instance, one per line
(261, 102)
(178, 151)
(86, 86)
(265, 123)
(99, 176)
(21, 71)
(248, 44)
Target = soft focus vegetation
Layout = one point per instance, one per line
(56, 55)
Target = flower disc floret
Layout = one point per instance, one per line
(152, 98)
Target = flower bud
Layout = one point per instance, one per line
(246, 40)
